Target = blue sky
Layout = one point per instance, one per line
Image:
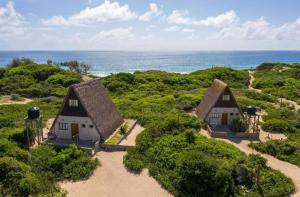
(149, 25)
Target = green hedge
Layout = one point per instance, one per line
(277, 125)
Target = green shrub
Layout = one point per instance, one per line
(63, 79)
(202, 175)
(132, 161)
(282, 149)
(239, 125)
(276, 125)
(190, 136)
(123, 129)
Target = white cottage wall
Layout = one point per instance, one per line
(85, 133)
(218, 110)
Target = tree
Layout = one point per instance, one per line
(18, 62)
(75, 66)
(202, 175)
(255, 164)
(49, 62)
(85, 68)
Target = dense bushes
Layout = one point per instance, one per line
(43, 166)
(36, 80)
(184, 162)
(70, 163)
(276, 125)
(39, 169)
(284, 120)
(63, 79)
(281, 80)
(282, 149)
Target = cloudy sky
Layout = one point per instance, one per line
(149, 25)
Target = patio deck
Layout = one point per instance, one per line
(84, 144)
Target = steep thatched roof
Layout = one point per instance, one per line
(98, 106)
(212, 96)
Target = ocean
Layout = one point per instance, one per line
(106, 62)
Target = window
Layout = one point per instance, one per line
(231, 114)
(226, 97)
(73, 103)
(214, 115)
(237, 114)
(63, 126)
(91, 126)
(83, 125)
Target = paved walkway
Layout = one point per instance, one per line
(113, 180)
(130, 139)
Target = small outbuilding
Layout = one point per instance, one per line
(218, 108)
(87, 114)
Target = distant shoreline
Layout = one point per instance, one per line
(106, 62)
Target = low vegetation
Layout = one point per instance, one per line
(279, 79)
(183, 161)
(29, 79)
(36, 171)
(287, 121)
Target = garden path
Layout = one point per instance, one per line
(130, 139)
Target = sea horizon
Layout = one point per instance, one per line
(114, 61)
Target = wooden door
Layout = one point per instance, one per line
(224, 119)
(74, 129)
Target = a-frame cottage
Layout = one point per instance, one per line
(218, 107)
(87, 114)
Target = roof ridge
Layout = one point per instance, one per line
(83, 83)
(220, 82)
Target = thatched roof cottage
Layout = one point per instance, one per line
(219, 106)
(87, 114)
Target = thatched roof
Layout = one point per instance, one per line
(212, 96)
(98, 105)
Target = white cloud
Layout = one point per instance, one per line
(153, 11)
(56, 21)
(107, 11)
(222, 20)
(179, 29)
(187, 30)
(172, 29)
(261, 29)
(11, 22)
(115, 34)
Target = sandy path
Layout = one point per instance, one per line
(112, 179)
(296, 105)
(286, 168)
(250, 87)
(7, 101)
(130, 139)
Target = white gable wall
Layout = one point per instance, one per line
(86, 133)
(212, 120)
